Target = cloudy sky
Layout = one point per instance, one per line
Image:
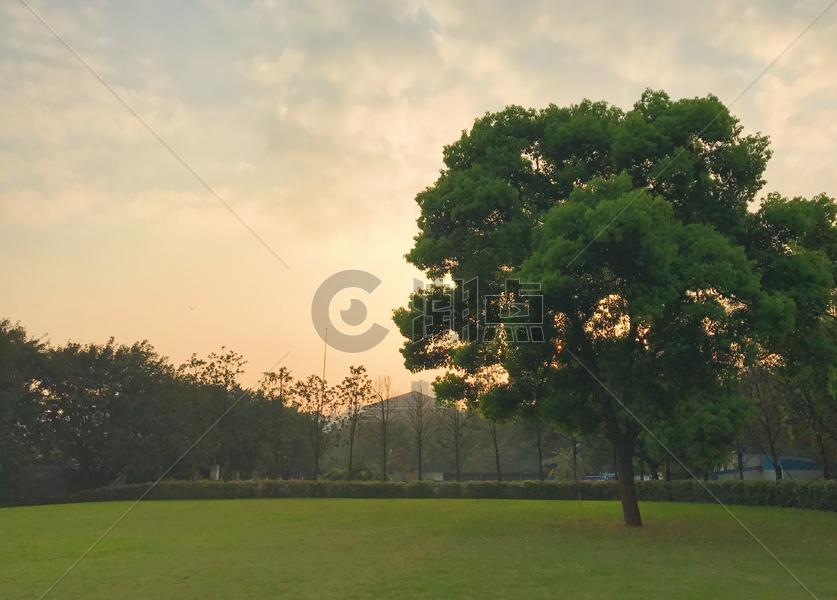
(317, 123)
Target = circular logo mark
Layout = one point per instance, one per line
(353, 316)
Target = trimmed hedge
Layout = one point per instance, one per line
(818, 495)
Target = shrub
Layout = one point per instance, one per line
(819, 495)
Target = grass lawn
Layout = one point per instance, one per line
(336, 548)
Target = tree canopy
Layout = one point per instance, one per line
(657, 285)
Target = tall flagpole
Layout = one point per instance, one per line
(323, 381)
(325, 350)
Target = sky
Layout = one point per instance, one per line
(317, 123)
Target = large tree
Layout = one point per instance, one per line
(635, 225)
(794, 243)
(106, 409)
(233, 442)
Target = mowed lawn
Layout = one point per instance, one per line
(341, 548)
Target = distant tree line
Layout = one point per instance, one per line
(123, 413)
(113, 413)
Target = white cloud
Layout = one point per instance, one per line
(319, 122)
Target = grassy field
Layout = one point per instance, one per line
(413, 548)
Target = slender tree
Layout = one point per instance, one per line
(275, 388)
(354, 393)
(381, 413)
(233, 442)
(492, 427)
(317, 403)
(770, 423)
(813, 418)
(456, 420)
(420, 421)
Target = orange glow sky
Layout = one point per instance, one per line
(318, 123)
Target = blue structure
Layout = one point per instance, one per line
(760, 467)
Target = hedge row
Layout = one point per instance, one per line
(819, 495)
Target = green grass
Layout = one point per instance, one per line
(333, 548)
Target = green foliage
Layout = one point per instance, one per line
(794, 243)
(818, 495)
(105, 408)
(656, 280)
(317, 403)
(354, 393)
(20, 359)
(114, 413)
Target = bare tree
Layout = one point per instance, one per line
(380, 413)
(771, 419)
(533, 413)
(419, 413)
(814, 415)
(354, 393)
(535, 422)
(317, 403)
(455, 419)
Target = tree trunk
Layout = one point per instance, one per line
(826, 471)
(739, 455)
(668, 469)
(627, 488)
(350, 474)
(777, 467)
(575, 458)
(575, 467)
(456, 457)
(497, 455)
(539, 441)
(419, 448)
(653, 466)
(316, 444)
(384, 465)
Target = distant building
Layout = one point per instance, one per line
(400, 408)
(402, 402)
(760, 467)
(423, 387)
